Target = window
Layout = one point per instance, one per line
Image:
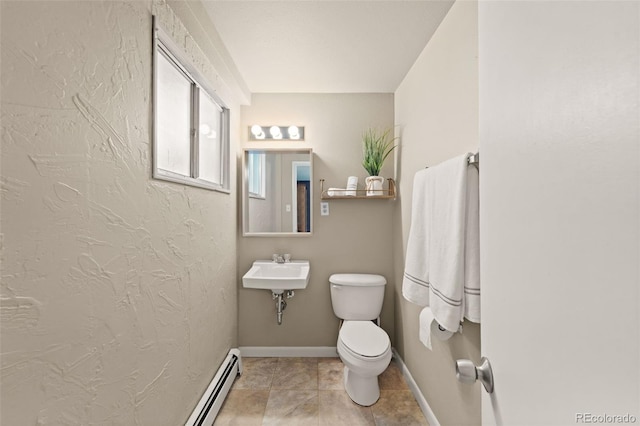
(257, 170)
(191, 125)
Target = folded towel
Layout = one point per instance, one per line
(435, 260)
(333, 192)
(472, 249)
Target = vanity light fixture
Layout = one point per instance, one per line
(287, 133)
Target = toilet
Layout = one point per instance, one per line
(363, 347)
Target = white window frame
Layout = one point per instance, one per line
(257, 169)
(165, 46)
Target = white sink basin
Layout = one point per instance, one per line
(277, 277)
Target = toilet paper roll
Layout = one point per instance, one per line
(352, 185)
(429, 327)
(440, 332)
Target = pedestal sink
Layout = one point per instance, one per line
(280, 278)
(277, 277)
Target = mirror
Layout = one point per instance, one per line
(277, 192)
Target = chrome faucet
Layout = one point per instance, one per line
(281, 258)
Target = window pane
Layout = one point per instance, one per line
(257, 174)
(210, 154)
(174, 124)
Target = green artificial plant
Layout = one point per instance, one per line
(376, 147)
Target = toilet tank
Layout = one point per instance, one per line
(357, 297)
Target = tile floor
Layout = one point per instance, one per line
(309, 391)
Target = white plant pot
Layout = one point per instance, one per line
(374, 185)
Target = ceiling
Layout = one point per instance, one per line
(311, 46)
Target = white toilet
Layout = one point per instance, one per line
(364, 347)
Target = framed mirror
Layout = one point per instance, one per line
(277, 192)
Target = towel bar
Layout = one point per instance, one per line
(473, 160)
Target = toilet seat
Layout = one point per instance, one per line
(364, 340)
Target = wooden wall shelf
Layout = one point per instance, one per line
(361, 194)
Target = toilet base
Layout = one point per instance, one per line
(362, 390)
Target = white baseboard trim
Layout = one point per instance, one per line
(289, 351)
(422, 402)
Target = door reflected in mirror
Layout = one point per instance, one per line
(277, 192)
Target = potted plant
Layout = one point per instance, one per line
(376, 147)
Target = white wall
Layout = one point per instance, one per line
(436, 111)
(560, 187)
(118, 295)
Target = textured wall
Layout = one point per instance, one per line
(118, 291)
(355, 237)
(436, 110)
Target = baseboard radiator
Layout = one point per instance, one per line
(209, 406)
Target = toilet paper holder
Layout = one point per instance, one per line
(441, 328)
(467, 372)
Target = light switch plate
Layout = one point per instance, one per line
(324, 208)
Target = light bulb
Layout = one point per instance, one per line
(256, 130)
(294, 132)
(205, 129)
(275, 132)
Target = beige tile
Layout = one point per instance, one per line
(392, 379)
(257, 373)
(298, 361)
(296, 374)
(243, 407)
(330, 374)
(336, 408)
(292, 407)
(397, 408)
(294, 398)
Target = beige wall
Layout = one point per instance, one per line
(436, 111)
(355, 237)
(118, 291)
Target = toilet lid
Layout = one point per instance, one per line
(358, 280)
(364, 338)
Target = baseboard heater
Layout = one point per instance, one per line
(209, 406)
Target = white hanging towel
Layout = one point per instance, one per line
(472, 248)
(436, 260)
(415, 283)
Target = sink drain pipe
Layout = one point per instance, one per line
(281, 304)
